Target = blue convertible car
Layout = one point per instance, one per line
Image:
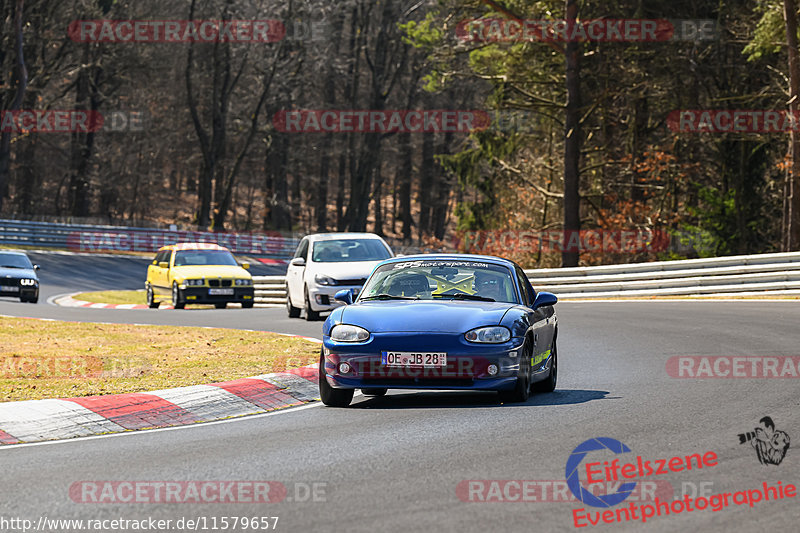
(457, 322)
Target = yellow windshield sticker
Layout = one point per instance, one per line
(444, 285)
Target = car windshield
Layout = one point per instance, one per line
(204, 257)
(14, 261)
(349, 251)
(441, 280)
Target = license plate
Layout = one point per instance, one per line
(409, 359)
(220, 292)
(8, 288)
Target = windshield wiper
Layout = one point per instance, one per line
(10, 266)
(464, 296)
(388, 297)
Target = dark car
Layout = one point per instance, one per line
(18, 277)
(453, 322)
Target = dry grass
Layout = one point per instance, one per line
(113, 297)
(44, 359)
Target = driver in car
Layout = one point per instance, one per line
(489, 286)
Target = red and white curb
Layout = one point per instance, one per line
(40, 420)
(69, 301)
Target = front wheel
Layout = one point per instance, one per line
(247, 305)
(151, 299)
(220, 305)
(549, 384)
(311, 315)
(177, 302)
(292, 311)
(330, 396)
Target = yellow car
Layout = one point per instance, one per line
(198, 273)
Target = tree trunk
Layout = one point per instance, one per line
(572, 142)
(20, 79)
(792, 236)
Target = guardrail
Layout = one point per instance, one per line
(744, 275)
(766, 274)
(92, 238)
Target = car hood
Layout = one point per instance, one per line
(210, 271)
(424, 316)
(17, 273)
(339, 271)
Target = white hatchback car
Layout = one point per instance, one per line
(326, 263)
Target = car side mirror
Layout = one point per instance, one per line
(163, 264)
(544, 299)
(246, 266)
(344, 295)
(37, 267)
(298, 262)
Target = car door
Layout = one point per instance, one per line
(157, 274)
(294, 274)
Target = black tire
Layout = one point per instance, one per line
(522, 390)
(247, 305)
(292, 311)
(311, 315)
(549, 384)
(177, 301)
(151, 298)
(374, 392)
(220, 305)
(330, 396)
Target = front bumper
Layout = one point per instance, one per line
(201, 295)
(466, 369)
(13, 290)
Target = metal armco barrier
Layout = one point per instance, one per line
(745, 275)
(91, 238)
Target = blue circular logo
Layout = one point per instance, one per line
(574, 482)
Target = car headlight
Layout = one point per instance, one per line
(489, 335)
(27, 282)
(244, 282)
(193, 282)
(322, 279)
(347, 333)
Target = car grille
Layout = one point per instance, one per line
(220, 283)
(350, 282)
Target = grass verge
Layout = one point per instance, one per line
(113, 297)
(43, 359)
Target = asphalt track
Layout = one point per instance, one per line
(393, 464)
